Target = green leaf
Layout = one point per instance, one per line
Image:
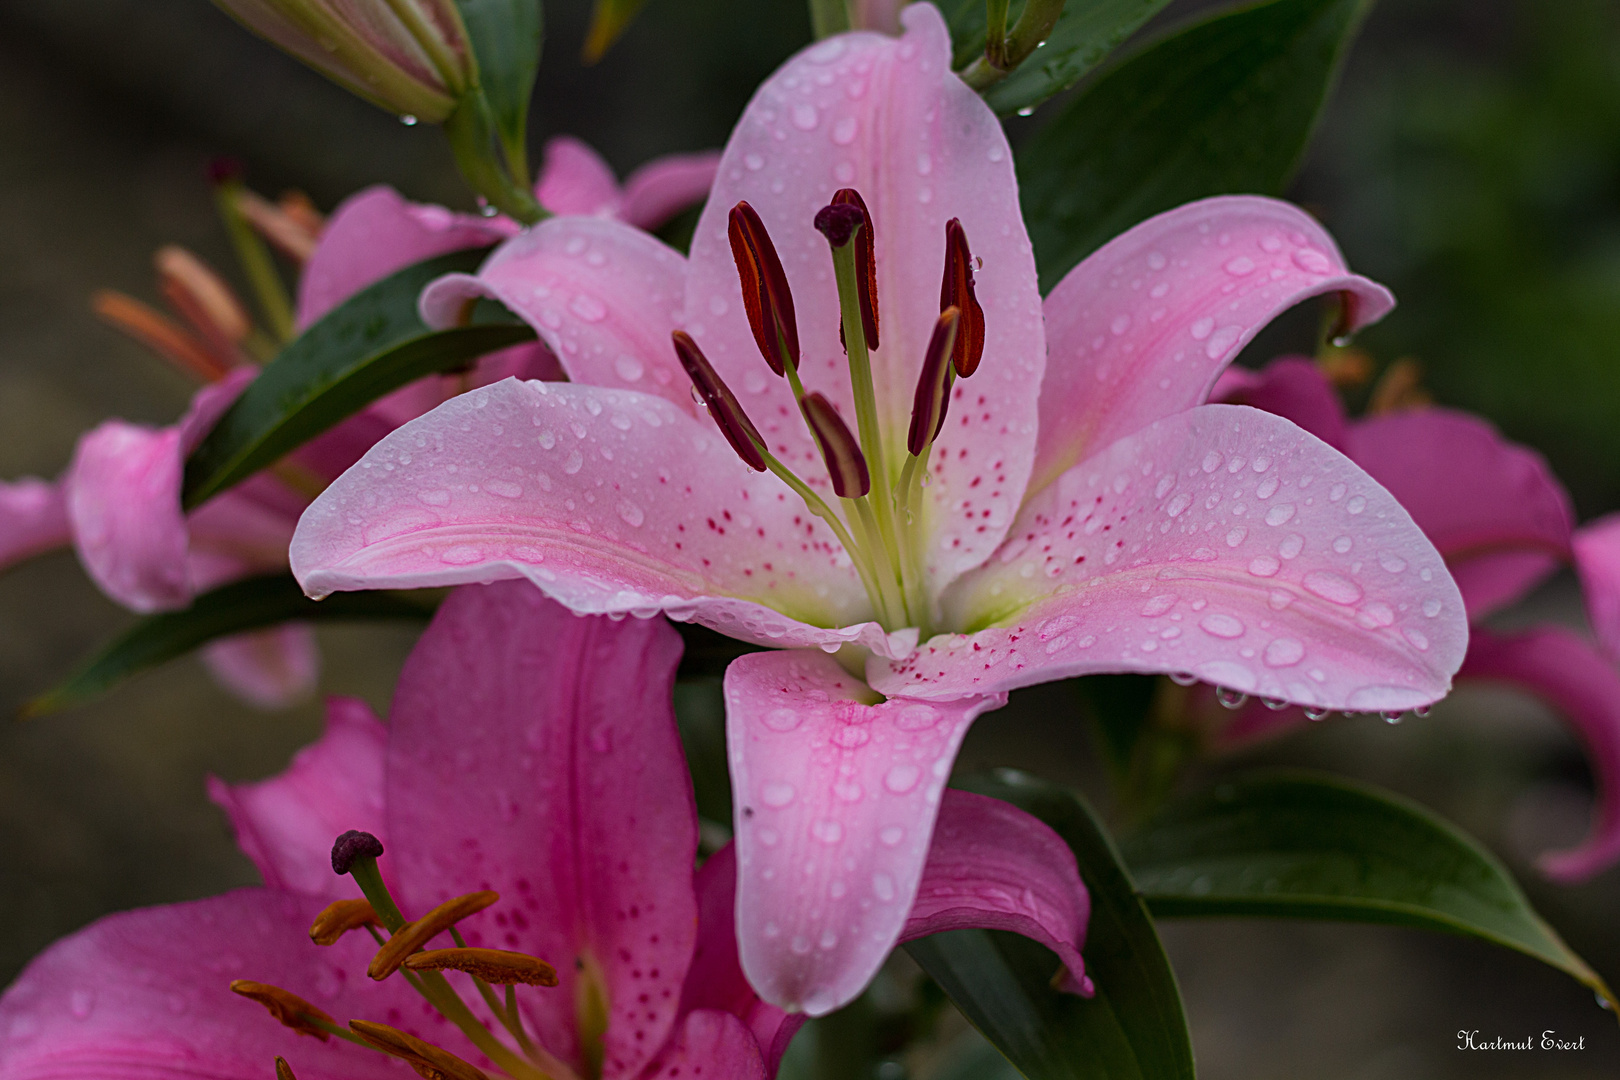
(1133, 1028)
(1317, 847)
(252, 604)
(1223, 107)
(506, 38)
(1086, 32)
(372, 343)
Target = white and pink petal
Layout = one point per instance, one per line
(1224, 542)
(610, 501)
(1141, 329)
(835, 805)
(888, 117)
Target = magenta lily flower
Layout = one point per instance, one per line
(119, 502)
(1035, 492)
(1504, 523)
(531, 753)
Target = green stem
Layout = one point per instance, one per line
(340, 1032)
(866, 414)
(995, 31)
(892, 599)
(257, 264)
(817, 506)
(829, 17)
(909, 512)
(369, 878)
(1027, 35)
(472, 134)
(437, 989)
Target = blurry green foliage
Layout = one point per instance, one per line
(1472, 163)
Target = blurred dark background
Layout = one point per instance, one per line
(1470, 160)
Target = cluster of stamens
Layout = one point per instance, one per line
(879, 527)
(402, 950)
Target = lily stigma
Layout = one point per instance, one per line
(913, 537)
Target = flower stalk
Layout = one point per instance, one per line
(1004, 50)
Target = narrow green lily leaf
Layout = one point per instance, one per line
(1304, 846)
(1223, 107)
(609, 19)
(251, 604)
(369, 345)
(1133, 1029)
(1086, 32)
(506, 38)
(261, 602)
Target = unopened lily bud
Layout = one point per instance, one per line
(766, 297)
(201, 295)
(957, 291)
(846, 465)
(411, 57)
(933, 395)
(428, 1060)
(286, 1006)
(721, 402)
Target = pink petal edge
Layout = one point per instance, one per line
(33, 519)
(1142, 328)
(667, 185)
(1597, 559)
(575, 181)
(1565, 671)
(286, 824)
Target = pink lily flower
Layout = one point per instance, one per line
(535, 754)
(1504, 523)
(1082, 512)
(119, 503)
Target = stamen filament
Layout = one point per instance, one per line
(866, 414)
(252, 253)
(343, 1033)
(889, 585)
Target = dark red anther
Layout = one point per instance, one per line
(765, 292)
(957, 291)
(721, 402)
(865, 264)
(933, 395)
(846, 465)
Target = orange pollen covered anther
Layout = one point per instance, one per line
(766, 297)
(159, 333)
(286, 1006)
(293, 226)
(201, 295)
(957, 291)
(498, 967)
(722, 404)
(430, 1062)
(413, 935)
(284, 1070)
(339, 917)
(846, 465)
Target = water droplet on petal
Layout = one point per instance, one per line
(776, 794)
(1332, 587)
(1229, 698)
(1221, 626)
